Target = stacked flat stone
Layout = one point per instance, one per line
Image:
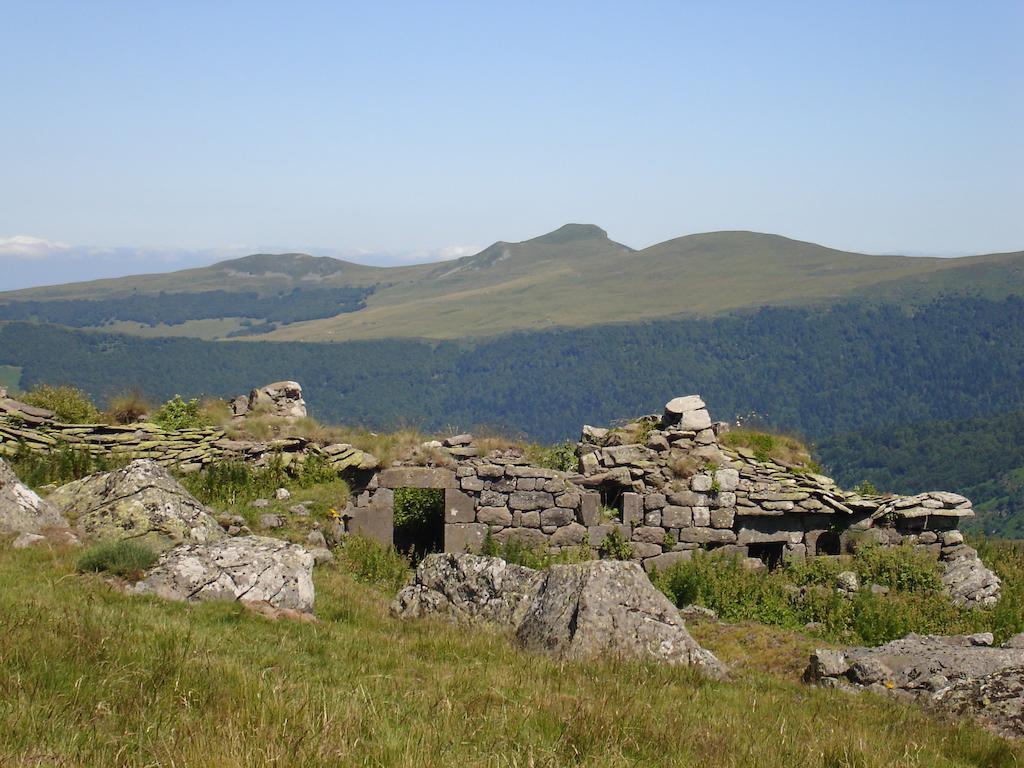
(671, 489)
(189, 450)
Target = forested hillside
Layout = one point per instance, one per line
(816, 372)
(291, 306)
(982, 458)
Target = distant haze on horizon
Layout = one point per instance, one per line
(152, 137)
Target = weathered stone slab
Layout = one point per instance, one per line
(417, 477)
(464, 537)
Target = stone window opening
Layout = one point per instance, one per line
(769, 552)
(829, 543)
(612, 497)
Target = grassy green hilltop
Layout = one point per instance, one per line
(575, 276)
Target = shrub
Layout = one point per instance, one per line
(374, 563)
(561, 456)
(180, 414)
(315, 469)
(800, 593)
(416, 507)
(69, 404)
(228, 483)
(127, 559)
(897, 568)
(614, 546)
(60, 465)
(732, 591)
(127, 408)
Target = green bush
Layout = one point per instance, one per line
(614, 546)
(315, 469)
(229, 483)
(801, 593)
(177, 413)
(734, 592)
(376, 564)
(561, 456)
(69, 404)
(60, 465)
(127, 559)
(897, 568)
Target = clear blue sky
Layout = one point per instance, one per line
(413, 127)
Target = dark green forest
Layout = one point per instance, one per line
(851, 370)
(982, 458)
(817, 372)
(175, 308)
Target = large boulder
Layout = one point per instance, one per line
(601, 608)
(996, 700)
(968, 581)
(21, 508)
(962, 674)
(282, 398)
(140, 501)
(469, 589)
(610, 608)
(249, 569)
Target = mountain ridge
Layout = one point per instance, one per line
(574, 276)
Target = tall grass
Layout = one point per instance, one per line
(61, 464)
(90, 677)
(804, 593)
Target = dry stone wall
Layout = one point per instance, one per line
(23, 427)
(668, 487)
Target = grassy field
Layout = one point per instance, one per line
(91, 677)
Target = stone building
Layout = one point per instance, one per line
(661, 487)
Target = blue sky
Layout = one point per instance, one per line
(395, 131)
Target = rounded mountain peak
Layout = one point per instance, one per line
(571, 232)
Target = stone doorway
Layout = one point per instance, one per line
(419, 521)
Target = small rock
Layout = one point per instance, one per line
(322, 555)
(259, 503)
(847, 581)
(697, 612)
(316, 540)
(282, 494)
(26, 540)
(271, 521)
(299, 510)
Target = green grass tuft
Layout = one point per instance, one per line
(127, 559)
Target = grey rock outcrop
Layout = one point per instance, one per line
(962, 674)
(21, 508)
(469, 589)
(140, 501)
(967, 580)
(996, 700)
(610, 608)
(245, 568)
(600, 608)
(282, 398)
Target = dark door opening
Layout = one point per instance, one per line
(419, 521)
(828, 543)
(769, 553)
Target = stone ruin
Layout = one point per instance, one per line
(664, 487)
